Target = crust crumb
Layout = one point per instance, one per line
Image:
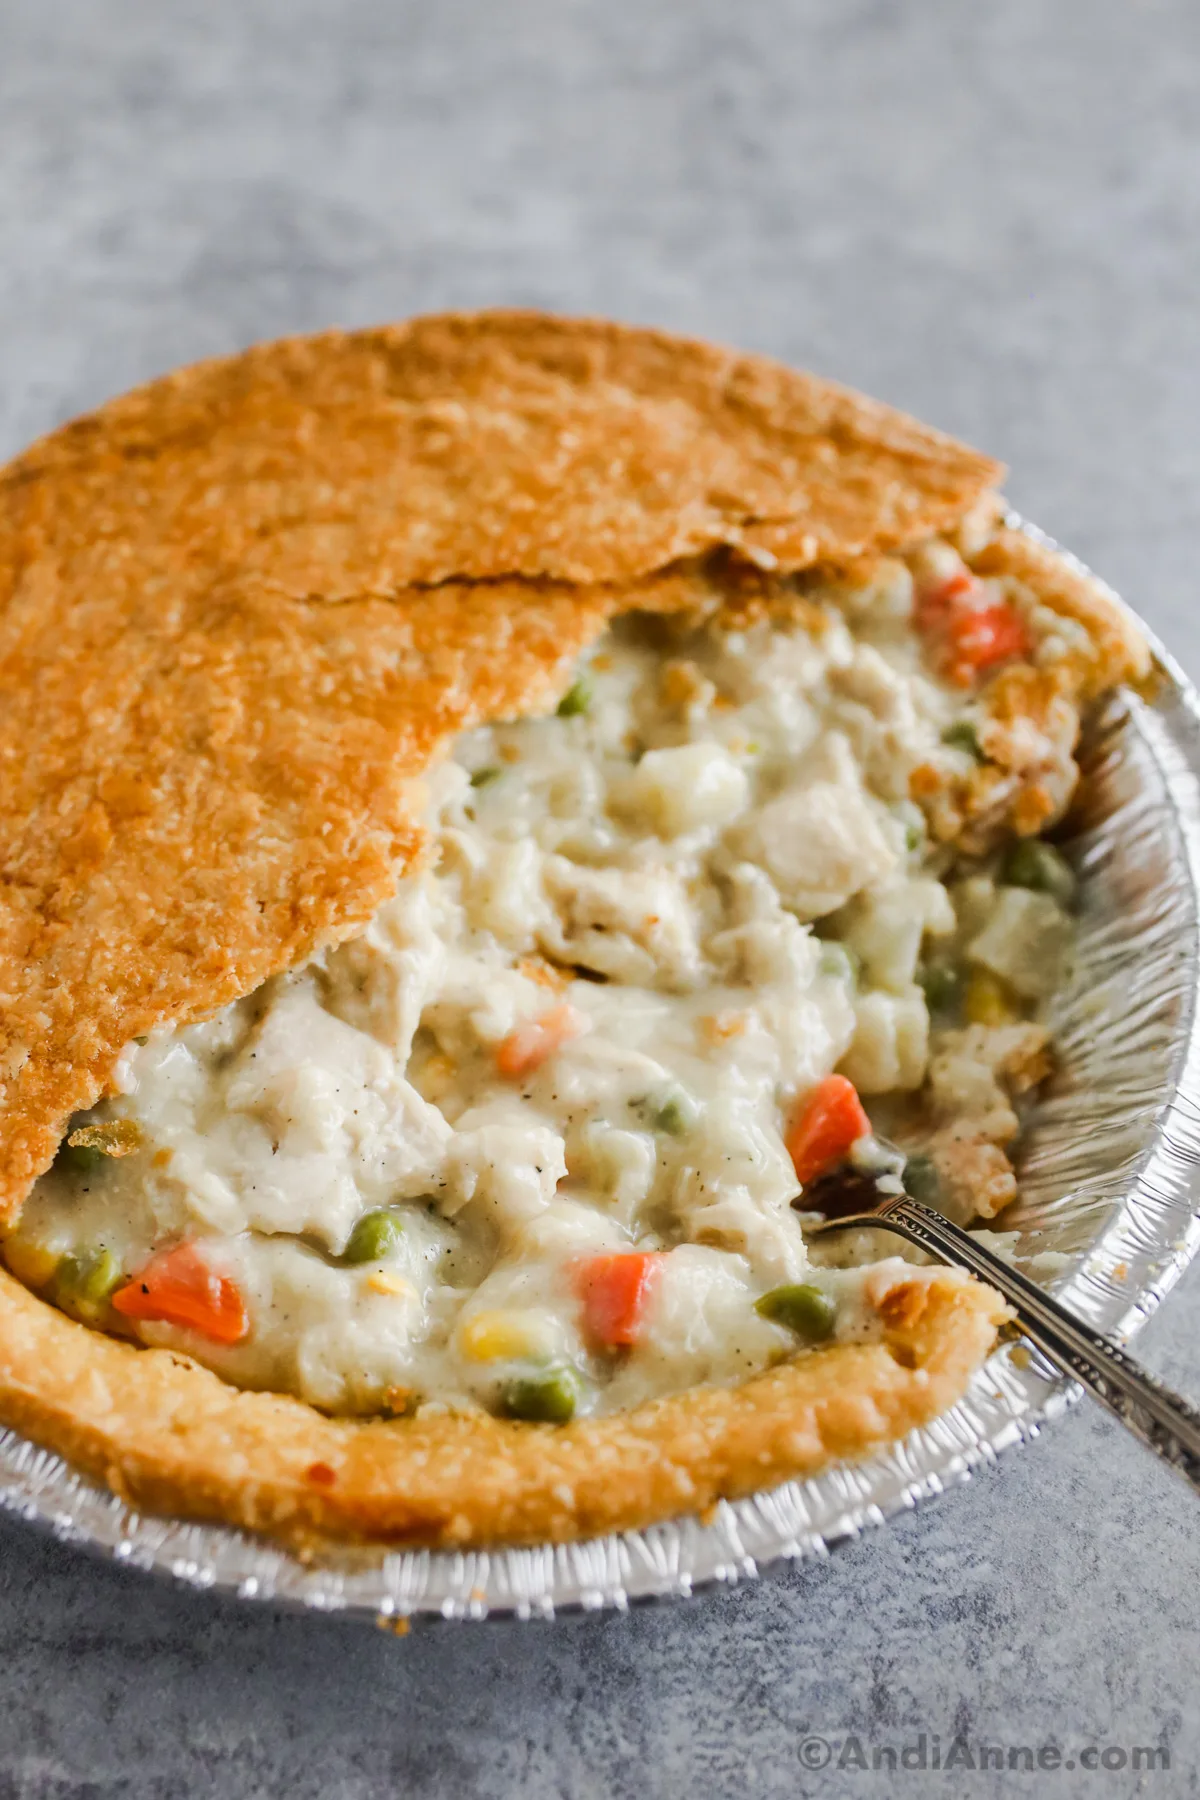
(545, 974)
(902, 1306)
(395, 1624)
(118, 1137)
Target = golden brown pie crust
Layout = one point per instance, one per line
(170, 1437)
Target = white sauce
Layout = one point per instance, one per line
(676, 839)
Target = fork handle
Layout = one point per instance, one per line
(1161, 1419)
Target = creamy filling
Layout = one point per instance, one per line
(646, 929)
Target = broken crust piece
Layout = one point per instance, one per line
(1110, 647)
(207, 768)
(1030, 716)
(477, 446)
(168, 1436)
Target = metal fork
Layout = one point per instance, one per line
(1161, 1419)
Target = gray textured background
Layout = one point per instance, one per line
(988, 214)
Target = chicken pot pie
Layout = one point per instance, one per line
(503, 818)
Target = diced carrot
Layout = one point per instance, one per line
(180, 1288)
(828, 1121)
(529, 1046)
(977, 638)
(967, 636)
(615, 1291)
(935, 598)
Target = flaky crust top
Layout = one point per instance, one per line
(476, 446)
(223, 665)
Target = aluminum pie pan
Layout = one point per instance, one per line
(1110, 1175)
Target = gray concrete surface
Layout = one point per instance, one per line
(988, 214)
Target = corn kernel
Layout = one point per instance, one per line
(383, 1282)
(30, 1263)
(988, 1000)
(502, 1337)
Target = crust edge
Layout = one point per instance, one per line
(171, 1438)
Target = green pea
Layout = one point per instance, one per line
(673, 1113)
(86, 1284)
(943, 984)
(962, 735)
(576, 700)
(549, 1398)
(913, 821)
(675, 1116)
(1030, 864)
(921, 1179)
(375, 1236)
(484, 777)
(840, 961)
(81, 1159)
(803, 1308)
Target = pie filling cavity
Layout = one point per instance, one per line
(755, 926)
